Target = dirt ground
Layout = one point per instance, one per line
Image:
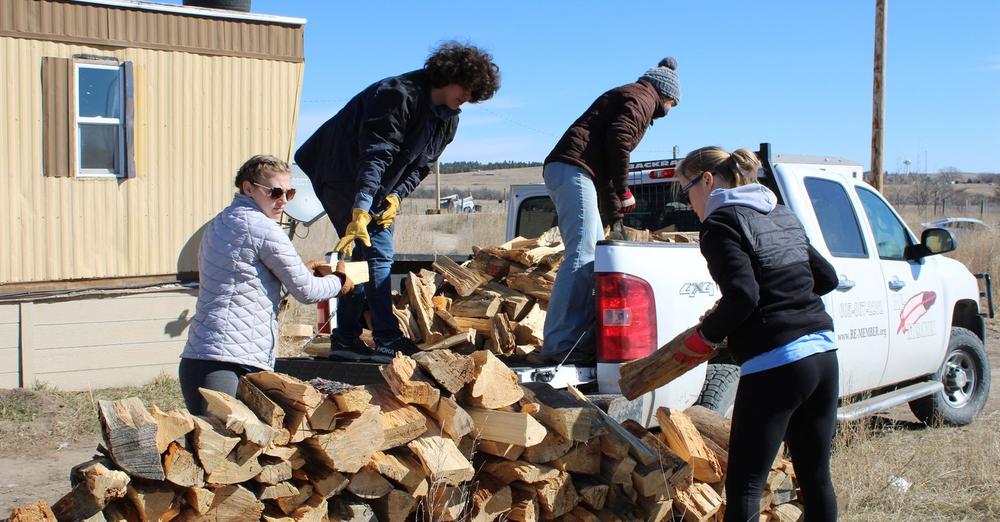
(36, 456)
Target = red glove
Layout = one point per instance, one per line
(628, 201)
(696, 349)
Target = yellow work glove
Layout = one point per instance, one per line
(357, 229)
(391, 208)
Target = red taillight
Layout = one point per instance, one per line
(626, 318)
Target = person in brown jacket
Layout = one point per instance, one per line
(586, 177)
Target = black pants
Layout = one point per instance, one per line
(213, 375)
(796, 403)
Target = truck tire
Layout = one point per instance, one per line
(719, 392)
(965, 374)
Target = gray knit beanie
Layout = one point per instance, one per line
(664, 79)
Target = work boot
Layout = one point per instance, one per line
(384, 353)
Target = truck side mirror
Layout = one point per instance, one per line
(933, 241)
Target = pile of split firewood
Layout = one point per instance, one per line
(496, 301)
(447, 437)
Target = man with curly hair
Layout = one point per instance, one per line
(371, 155)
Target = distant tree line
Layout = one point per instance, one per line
(454, 167)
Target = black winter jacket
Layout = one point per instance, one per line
(770, 277)
(381, 142)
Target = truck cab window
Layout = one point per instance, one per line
(535, 216)
(891, 236)
(661, 206)
(836, 217)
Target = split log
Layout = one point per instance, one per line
(369, 484)
(170, 426)
(641, 452)
(356, 271)
(454, 341)
(697, 503)
(613, 447)
(401, 422)
(154, 501)
(564, 413)
(444, 504)
(98, 487)
(314, 509)
(535, 283)
(199, 499)
(557, 496)
(344, 510)
(422, 307)
(550, 448)
(651, 481)
(37, 512)
(408, 323)
(463, 280)
(441, 460)
(289, 392)
(348, 448)
(780, 513)
(275, 472)
(446, 323)
(452, 418)
(593, 495)
(507, 427)
(349, 398)
(402, 469)
(236, 417)
(501, 339)
(451, 370)
(531, 327)
(476, 306)
(441, 302)
(324, 417)
(268, 411)
(494, 386)
(500, 449)
(409, 383)
(130, 435)
(394, 507)
(584, 458)
(508, 471)
(488, 261)
(325, 481)
(512, 302)
(657, 508)
(524, 504)
(684, 439)
(180, 467)
(711, 425)
(617, 471)
(490, 500)
(297, 330)
(288, 504)
(667, 460)
(482, 325)
(658, 368)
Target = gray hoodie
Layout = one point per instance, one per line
(753, 195)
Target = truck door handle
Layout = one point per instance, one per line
(844, 284)
(896, 284)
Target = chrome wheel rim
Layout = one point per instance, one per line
(959, 379)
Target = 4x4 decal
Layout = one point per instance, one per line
(693, 289)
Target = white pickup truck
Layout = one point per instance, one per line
(908, 323)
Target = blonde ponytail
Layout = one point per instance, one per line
(735, 169)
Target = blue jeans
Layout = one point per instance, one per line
(377, 291)
(571, 307)
(213, 375)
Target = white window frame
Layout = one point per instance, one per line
(119, 122)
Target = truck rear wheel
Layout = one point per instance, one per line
(965, 374)
(719, 391)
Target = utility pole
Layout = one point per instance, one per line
(878, 93)
(437, 184)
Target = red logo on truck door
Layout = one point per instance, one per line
(915, 308)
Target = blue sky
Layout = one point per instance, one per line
(795, 73)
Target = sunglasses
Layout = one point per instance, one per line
(690, 184)
(277, 192)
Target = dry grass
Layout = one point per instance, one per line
(36, 417)
(906, 472)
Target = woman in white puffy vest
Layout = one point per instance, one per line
(244, 260)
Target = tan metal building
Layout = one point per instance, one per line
(122, 124)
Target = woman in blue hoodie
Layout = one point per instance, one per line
(777, 328)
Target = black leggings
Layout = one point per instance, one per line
(797, 403)
(213, 375)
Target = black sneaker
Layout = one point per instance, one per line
(383, 353)
(354, 352)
